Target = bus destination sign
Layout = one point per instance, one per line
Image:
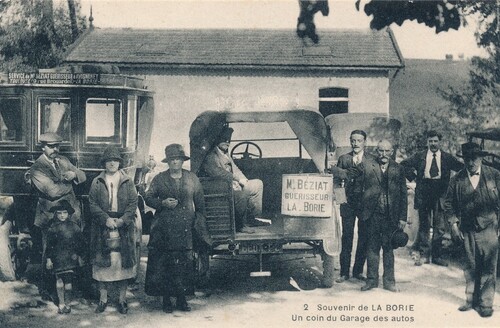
(54, 78)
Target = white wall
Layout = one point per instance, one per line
(180, 98)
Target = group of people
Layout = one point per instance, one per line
(376, 194)
(178, 227)
(113, 203)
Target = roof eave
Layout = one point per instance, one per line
(244, 66)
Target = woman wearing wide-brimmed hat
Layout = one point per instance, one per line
(177, 197)
(113, 202)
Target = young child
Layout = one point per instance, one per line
(64, 247)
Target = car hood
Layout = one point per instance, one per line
(488, 134)
(309, 127)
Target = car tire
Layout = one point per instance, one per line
(328, 270)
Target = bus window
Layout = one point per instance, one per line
(55, 116)
(103, 121)
(11, 124)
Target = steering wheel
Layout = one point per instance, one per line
(246, 154)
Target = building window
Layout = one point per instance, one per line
(333, 101)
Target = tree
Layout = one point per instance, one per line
(35, 33)
(441, 15)
(476, 105)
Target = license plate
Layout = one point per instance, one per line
(262, 248)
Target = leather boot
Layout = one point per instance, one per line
(167, 305)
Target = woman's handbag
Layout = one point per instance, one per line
(113, 241)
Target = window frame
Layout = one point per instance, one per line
(39, 116)
(333, 99)
(122, 125)
(23, 143)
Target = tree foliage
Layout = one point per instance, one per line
(35, 33)
(441, 15)
(477, 104)
(438, 14)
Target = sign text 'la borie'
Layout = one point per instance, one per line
(307, 195)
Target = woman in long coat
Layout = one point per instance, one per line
(177, 197)
(113, 203)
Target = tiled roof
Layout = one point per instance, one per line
(234, 48)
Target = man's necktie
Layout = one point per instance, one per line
(355, 160)
(57, 166)
(434, 171)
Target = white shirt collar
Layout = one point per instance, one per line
(430, 153)
(478, 171)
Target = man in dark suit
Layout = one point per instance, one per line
(383, 210)
(350, 210)
(431, 169)
(472, 208)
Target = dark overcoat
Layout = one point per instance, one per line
(64, 244)
(171, 238)
(397, 193)
(474, 214)
(99, 208)
(353, 185)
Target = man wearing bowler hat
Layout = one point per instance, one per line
(472, 208)
(247, 193)
(52, 177)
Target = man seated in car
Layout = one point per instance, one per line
(247, 193)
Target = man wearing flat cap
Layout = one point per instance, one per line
(52, 177)
(247, 193)
(472, 208)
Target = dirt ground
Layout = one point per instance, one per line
(429, 297)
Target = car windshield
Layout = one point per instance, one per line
(275, 139)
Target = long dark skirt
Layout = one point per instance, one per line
(169, 273)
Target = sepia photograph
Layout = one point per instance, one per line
(249, 163)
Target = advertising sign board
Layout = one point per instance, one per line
(307, 195)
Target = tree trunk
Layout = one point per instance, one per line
(48, 22)
(72, 18)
